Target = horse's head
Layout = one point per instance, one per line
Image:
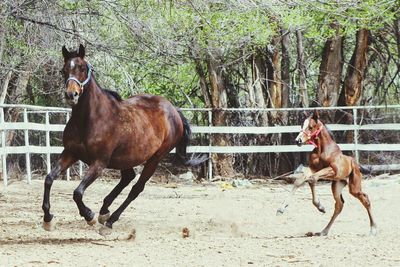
(76, 72)
(310, 129)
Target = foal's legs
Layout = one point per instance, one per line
(355, 190)
(91, 175)
(337, 187)
(65, 161)
(126, 177)
(148, 170)
(297, 183)
(315, 200)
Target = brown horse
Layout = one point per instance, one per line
(328, 162)
(105, 131)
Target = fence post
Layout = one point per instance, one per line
(48, 160)
(210, 170)
(356, 135)
(3, 144)
(27, 154)
(68, 170)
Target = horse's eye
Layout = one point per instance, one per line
(81, 67)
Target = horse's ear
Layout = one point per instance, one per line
(65, 52)
(81, 51)
(315, 115)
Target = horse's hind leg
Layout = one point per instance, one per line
(337, 187)
(126, 177)
(148, 170)
(355, 190)
(91, 175)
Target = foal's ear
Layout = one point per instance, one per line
(65, 52)
(81, 51)
(315, 115)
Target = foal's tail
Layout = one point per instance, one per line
(184, 142)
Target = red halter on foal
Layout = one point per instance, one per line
(313, 136)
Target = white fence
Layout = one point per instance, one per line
(47, 150)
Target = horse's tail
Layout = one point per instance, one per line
(183, 144)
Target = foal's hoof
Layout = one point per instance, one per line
(373, 231)
(321, 208)
(48, 226)
(103, 218)
(105, 231)
(92, 222)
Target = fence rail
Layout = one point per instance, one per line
(47, 127)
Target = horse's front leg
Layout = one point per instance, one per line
(94, 171)
(65, 161)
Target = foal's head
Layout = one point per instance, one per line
(76, 72)
(310, 129)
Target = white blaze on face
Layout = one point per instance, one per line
(301, 135)
(72, 64)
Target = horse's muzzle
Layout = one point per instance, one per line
(72, 98)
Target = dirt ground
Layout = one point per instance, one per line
(227, 227)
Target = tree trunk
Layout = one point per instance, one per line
(203, 83)
(330, 71)
(259, 81)
(397, 34)
(274, 81)
(285, 75)
(4, 86)
(15, 94)
(2, 37)
(301, 67)
(352, 87)
(201, 74)
(223, 163)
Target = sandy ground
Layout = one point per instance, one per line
(232, 227)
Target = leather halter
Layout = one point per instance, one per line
(81, 84)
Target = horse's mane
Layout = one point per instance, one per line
(113, 94)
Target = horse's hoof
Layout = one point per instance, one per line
(373, 231)
(48, 226)
(280, 211)
(105, 231)
(309, 234)
(92, 222)
(103, 218)
(316, 234)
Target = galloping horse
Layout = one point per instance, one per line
(328, 162)
(105, 131)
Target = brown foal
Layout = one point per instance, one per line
(105, 131)
(328, 162)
